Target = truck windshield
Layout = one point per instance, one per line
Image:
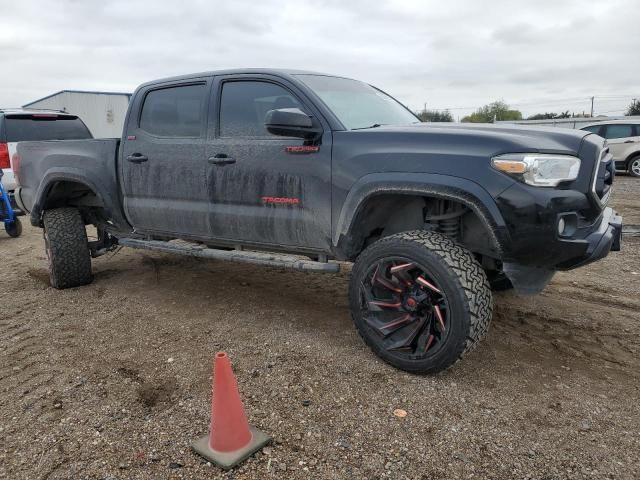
(356, 104)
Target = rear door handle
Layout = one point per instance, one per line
(629, 141)
(137, 158)
(221, 159)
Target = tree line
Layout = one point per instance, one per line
(499, 110)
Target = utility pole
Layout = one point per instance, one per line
(592, 98)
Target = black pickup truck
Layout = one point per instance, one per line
(300, 170)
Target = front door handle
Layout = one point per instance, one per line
(221, 159)
(629, 141)
(137, 158)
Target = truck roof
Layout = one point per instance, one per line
(234, 71)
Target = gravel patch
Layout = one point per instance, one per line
(113, 380)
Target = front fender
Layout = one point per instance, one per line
(462, 190)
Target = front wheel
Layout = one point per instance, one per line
(634, 166)
(419, 300)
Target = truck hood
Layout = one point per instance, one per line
(507, 138)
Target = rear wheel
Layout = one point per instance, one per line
(14, 229)
(634, 166)
(67, 248)
(419, 300)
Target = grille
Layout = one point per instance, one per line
(603, 176)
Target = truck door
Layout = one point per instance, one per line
(163, 165)
(262, 188)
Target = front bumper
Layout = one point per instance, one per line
(533, 237)
(607, 238)
(528, 279)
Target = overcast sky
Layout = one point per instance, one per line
(537, 55)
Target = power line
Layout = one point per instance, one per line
(612, 111)
(555, 102)
(552, 102)
(612, 100)
(617, 96)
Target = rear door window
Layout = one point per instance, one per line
(24, 128)
(174, 111)
(618, 131)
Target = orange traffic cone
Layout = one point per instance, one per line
(231, 440)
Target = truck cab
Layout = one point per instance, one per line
(198, 162)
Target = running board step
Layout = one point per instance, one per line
(239, 256)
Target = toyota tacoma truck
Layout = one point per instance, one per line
(303, 170)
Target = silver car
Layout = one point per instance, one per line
(623, 137)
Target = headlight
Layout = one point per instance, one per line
(538, 169)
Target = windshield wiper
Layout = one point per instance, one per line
(375, 125)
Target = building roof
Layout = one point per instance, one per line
(87, 92)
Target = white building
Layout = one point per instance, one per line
(577, 122)
(102, 112)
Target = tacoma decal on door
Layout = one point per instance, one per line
(280, 201)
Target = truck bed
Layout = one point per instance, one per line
(42, 165)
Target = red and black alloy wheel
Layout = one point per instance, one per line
(419, 300)
(403, 303)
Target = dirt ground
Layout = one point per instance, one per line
(112, 380)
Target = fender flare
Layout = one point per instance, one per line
(460, 189)
(64, 174)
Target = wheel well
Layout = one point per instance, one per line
(630, 158)
(66, 193)
(387, 214)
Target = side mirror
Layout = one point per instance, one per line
(291, 122)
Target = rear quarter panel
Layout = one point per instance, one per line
(91, 162)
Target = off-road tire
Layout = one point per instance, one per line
(460, 276)
(632, 166)
(14, 229)
(67, 248)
